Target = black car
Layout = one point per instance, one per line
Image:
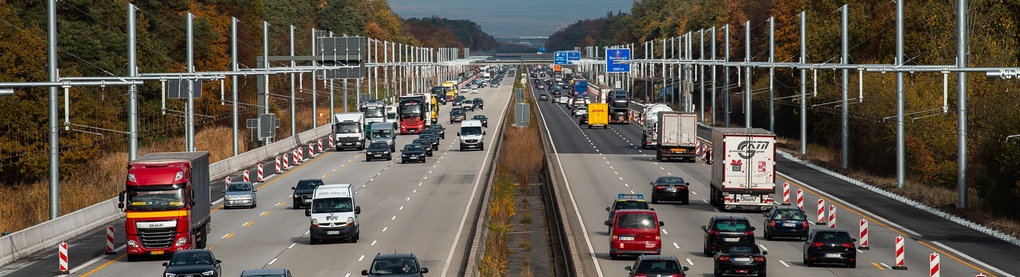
(479, 104)
(656, 265)
(395, 265)
(786, 221)
(457, 115)
(582, 120)
(424, 143)
(724, 230)
(439, 130)
(192, 262)
(378, 150)
(482, 118)
(670, 188)
(830, 246)
(433, 138)
(743, 259)
(412, 152)
(302, 195)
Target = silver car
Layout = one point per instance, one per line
(240, 194)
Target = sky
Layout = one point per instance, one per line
(512, 18)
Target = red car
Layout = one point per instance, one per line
(635, 232)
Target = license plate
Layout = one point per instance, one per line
(307, 200)
(378, 155)
(157, 252)
(731, 239)
(332, 232)
(789, 224)
(741, 259)
(414, 156)
(833, 255)
(626, 238)
(680, 150)
(747, 198)
(671, 189)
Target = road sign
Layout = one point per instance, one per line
(573, 56)
(251, 123)
(560, 57)
(267, 126)
(613, 56)
(541, 50)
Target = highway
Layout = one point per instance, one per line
(597, 164)
(428, 209)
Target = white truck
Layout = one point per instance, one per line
(334, 214)
(349, 130)
(649, 135)
(743, 171)
(677, 136)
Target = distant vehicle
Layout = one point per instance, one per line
(677, 136)
(378, 150)
(597, 114)
(670, 188)
(786, 221)
(266, 272)
(563, 99)
(457, 115)
(635, 232)
(468, 105)
(334, 214)
(481, 118)
(543, 97)
(581, 110)
(619, 106)
(399, 265)
(725, 230)
(433, 139)
(425, 143)
(649, 130)
(451, 90)
(474, 90)
(412, 152)
(240, 194)
(302, 196)
(382, 132)
(656, 265)
(742, 259)
(830, 246)
(349, 130)
(626, 201)
(440, 130)
(582, 120)
(373, 111)
(471, 135)
(415, 112)
(744, 176)
(193, 262)
(479, 103)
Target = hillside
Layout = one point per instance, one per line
(441, 32)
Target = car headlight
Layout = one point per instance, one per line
(209, 273)
(182, 241)
(315, 222)
(132, 243)
(295, 196)
(350, 220)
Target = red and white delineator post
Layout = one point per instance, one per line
(786, 193)
(800, 199)
(279, 168)
(821, 211)
(933, 265)
(226, 181)
(286, 162)
(62, 254)
(832, 216)
(109, 241)
(244, 176)
(864, 235)
(900, 251)
(260, 176)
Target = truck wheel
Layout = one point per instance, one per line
(589, 126)
(200, 239)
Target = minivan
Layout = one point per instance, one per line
(471, 135)
(334, 214)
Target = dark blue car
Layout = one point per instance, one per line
(786, 221)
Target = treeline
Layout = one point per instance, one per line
(441, 32)
(92, 38)
(931, 135)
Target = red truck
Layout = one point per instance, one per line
(167, 203)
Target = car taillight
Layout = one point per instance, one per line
(724, 258)
(759, 259)
(615, 237)
(848, 245)
(640, 275)
(660, 187)
(772, 223)
(805, 224)
(749, 233)
(816, 244)
(657, 238)
(713, 232)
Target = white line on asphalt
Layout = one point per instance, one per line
(408, 199)
(617, 173)
(662, 168)
(690, 262)
(693, 192)
(373, 242)
(225, 236)
(348, 274)
(271, 261)
(632, 192)
(426, 178)
(715, 209)
(306, 232)
(621, 178)
(677, 246)
(361, 258)
(626, 185)
(859, 250)
(265, 213)
(401, 208)
(430, 171)
(669, 173)
(94, 260)
(885, 265)
(414, 191)
(664, 231)
(703, 200)
(419, 183)
(611, 168)
(393, 218)
(763, 248)
(784, 263)
(385, 228)
(291, 245)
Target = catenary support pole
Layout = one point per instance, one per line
(265, 64)
(772, 74)
(51, 61)
(293, 89)
(190, 109)
(132, 89)
(803, 83)
(747, 74)
(845, 59)
(233, 83)
(900, 144)
(714, 81)
(961, 104)
(726, 74)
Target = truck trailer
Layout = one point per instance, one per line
(598, 115)
(166, 201)
(678, 137)
(619, 106)
(743, 171)
(649, 133)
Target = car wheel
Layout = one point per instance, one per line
(613, 256)
(655, 200)
(312, 241)
(807, 262)
(717, 273)
(687, 201)
(768, 235)
(707, 253)
(852, 264)
(762, 273)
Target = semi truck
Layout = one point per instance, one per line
(598, 115)
(743, 168)
(349, 130)
(677, 136)
(414, 112)
(649, 133)
(619, 105)
(166, 201)
(374, 111)
(451, 90)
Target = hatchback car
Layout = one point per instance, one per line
(439, 130)
(670, 188)
(266, 272)
(482, 118)
(426, 144)
(743, 259)
(457, 115)
(479, 103)
(656, 265)
(240, 194)
(724, 230)
(830, 246)
(635, 232)
(378, 150)
(433, 138)
(395, 265)
(192, 262)
(302, 195)
(786, 221)
(412, 152)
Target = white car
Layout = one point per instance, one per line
(563, 99)
(474, 91)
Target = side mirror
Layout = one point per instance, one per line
(364, 272)
(651, 183)
(607, 209)
(223, 191)
(853, 240)
(628, 268)
(606, 223)
(661, 224)
(219, 262)
(293, 188)
(120, 199)
(191, 203)
(753, 228)
(765, 215)
(703, 228)
(308, 212)
(686, 268)
(357, 209)
(764, 252)
(458, 134)
(424, 270)
(688, 184)
(483, 133)
(255, 190)
(166, 264)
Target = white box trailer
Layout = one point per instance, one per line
(743, 168)
(677, 136)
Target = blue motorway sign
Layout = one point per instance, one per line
(541, 50)
(614, 55)
(560, 57)
(573, 56)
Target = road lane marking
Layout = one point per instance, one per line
(291, 245)
(677, 246)
(271, 261)
(227, 236)
(876, 265)
(763, 248)
(664, 231)
(690, 262)
(246, 224)
(373, 242)
(401, 208)
(279, 204)
(885, 265)
(703, 200)
(693, 192)
(361, 258)
(784, 263)
(408, 199)
(385, 228)
(348, 274)
(265, 212)
(393, 218)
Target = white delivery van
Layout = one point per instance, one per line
(333, 213)
(471, 135)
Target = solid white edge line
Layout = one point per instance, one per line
(271, 261)
(971, 259)
(471, 199)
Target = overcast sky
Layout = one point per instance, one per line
(503, 18)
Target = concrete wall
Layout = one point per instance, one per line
(48, 234)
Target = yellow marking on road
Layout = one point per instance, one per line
(880, 267)
(279, 204)
(266, 212)
(246, 224)
(228, 236)
(103, 265)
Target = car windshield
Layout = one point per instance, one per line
(391, 116)
(732, 226)
(741, 249)
(638, 205)
(636, 221)
(394, 266)
(193, 258)
(481, 117)
(789, 215)
(239, 187)
(386, 133)
(413, 147)
(379, 146)
(833, 237)
(671, 180)
(154, 200)
(659, 266)
(471, 131)
(346, 128)
(308, 184)
(332, 205)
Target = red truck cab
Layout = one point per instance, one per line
(635, 232)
